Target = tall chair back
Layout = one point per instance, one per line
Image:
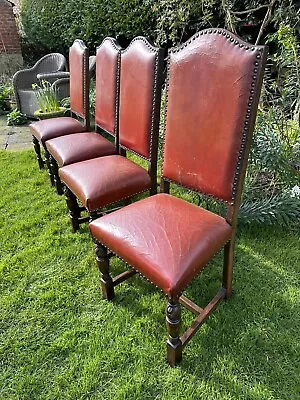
(108, 60)
(141, 71)
(213, 88)
(79, 81)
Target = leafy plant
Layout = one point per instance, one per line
(16, 118)
(47, 97)
(6, 92)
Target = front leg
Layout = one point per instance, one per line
(173, 322)
(56, 178)
(103, 265)
(37, 149)
(74, 210)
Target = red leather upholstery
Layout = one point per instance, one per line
(79, 147)
(107, 77)
(209, 90)
(166, 239)
(51, 128)
(102, 181)
(136, 96)
(78, 59)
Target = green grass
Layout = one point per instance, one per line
(60, 340)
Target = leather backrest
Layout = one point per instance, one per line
(78, 63)
(141, 65)
(212, 91)
(107, 85)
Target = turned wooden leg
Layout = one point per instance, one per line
(103, 265)
(228, 267)
(93, 215)
(74, 210)
(37, 149)
(173, 321)
(56, 178)
(48, 163)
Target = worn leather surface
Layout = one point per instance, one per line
(106, 86)
(209, 88)
(136, 94)
(166, 239)
(51, 128)
(79, 147)
(77, 76)
(102, 181)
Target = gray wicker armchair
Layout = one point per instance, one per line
(50, 67)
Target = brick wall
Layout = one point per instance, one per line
(9, 38)
(11, 59)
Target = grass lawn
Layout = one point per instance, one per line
(60, 340)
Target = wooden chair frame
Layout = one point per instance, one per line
(85, 117)
(175, 342)
(74, 209)
(60, 188)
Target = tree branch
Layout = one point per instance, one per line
(265, 21)
(249, 11)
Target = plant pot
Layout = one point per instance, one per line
(50, 114)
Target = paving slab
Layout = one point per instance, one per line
(14, 138)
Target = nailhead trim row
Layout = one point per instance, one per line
(143, 276)
(244, 47)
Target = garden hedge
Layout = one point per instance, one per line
(55, 24)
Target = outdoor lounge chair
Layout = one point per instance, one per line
(213, 86)
(79, 103)
(50, 67)
(70, 149)
(100, 182)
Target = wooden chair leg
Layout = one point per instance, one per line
(37, 149)
(228, 267)
(106, 281)
(57, 182)
(74, 210)
(48, 163)
(173, 322)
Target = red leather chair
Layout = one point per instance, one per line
(100, 182)
(213, 87)
(79, 102)
(70, 149)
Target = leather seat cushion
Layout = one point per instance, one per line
(102, 181)
(78, 147)
(166, 239)
(52, 128)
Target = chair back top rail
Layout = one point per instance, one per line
(213, 87)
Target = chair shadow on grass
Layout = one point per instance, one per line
(248, 344)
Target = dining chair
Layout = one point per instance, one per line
(76, 147)
(212, 93)
(102, 181)
(47, 129)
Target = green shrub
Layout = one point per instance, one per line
(16, 118)
(6, 93)
(90, 21)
